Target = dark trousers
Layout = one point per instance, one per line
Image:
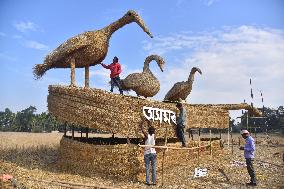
(180, 134)
(116, 82)
(251, 172)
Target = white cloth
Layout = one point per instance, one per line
(199, 172)
(150, 141)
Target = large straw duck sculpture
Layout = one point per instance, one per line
(145, 83)
(181, 90)
(86, 49)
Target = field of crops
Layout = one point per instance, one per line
(31, 159)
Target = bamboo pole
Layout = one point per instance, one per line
(87, 76)
(210, 144)
(164, 152)
(65, 128)
(128, 140)
(69, 184)
(220, 137)
(72, 132)
(198, 154)
(173, 148)
(232, 141)
(228, 137)
(87, 132)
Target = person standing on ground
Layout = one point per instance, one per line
(115, 70)
(181, 122)
(149, 152)
(249, 150)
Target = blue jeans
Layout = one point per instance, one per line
(150, 158)
(115, 82)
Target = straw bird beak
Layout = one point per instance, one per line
(161, 65)
(141, 23)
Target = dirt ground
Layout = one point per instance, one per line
(31, 159)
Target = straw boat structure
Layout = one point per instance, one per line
(120, 114)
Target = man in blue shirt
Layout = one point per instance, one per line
(181, 122)
(249, 149)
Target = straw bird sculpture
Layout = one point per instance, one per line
(86, 49)
(145, 83)
(181, 90)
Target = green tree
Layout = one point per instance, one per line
(24, 121)
(6, 120)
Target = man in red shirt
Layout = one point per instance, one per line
(115, 70)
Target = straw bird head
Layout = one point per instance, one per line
(131, 15)
(161, 63)
(195, 69)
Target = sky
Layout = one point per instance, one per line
(230, 41)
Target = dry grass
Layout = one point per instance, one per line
(33, 156)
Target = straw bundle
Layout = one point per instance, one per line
(119, 161)
(121, 114)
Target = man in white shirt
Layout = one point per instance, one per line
(149, 152)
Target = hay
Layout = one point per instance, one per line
(99, 109)
(120, 161)
(145, 83)
(88, 48)
(181, 90)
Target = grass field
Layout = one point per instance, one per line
(31, 158)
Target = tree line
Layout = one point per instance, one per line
(271, 121)
(28, 121)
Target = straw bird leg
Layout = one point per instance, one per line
(72, 63)
(87, 76)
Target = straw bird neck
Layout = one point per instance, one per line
(110, 29)
(191, 75)
(146, 67)
(147, 61)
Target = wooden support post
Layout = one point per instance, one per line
(228, 137)
(239, 141)
(210, 144)
(232, 141)
(128, 140)
(220, 137)
(198, 154)
(255, 138)
(164, 152)
(65, 128)
(72, 131)
(87, 76)
(73, 81)
(87, 132)
(81, 132)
